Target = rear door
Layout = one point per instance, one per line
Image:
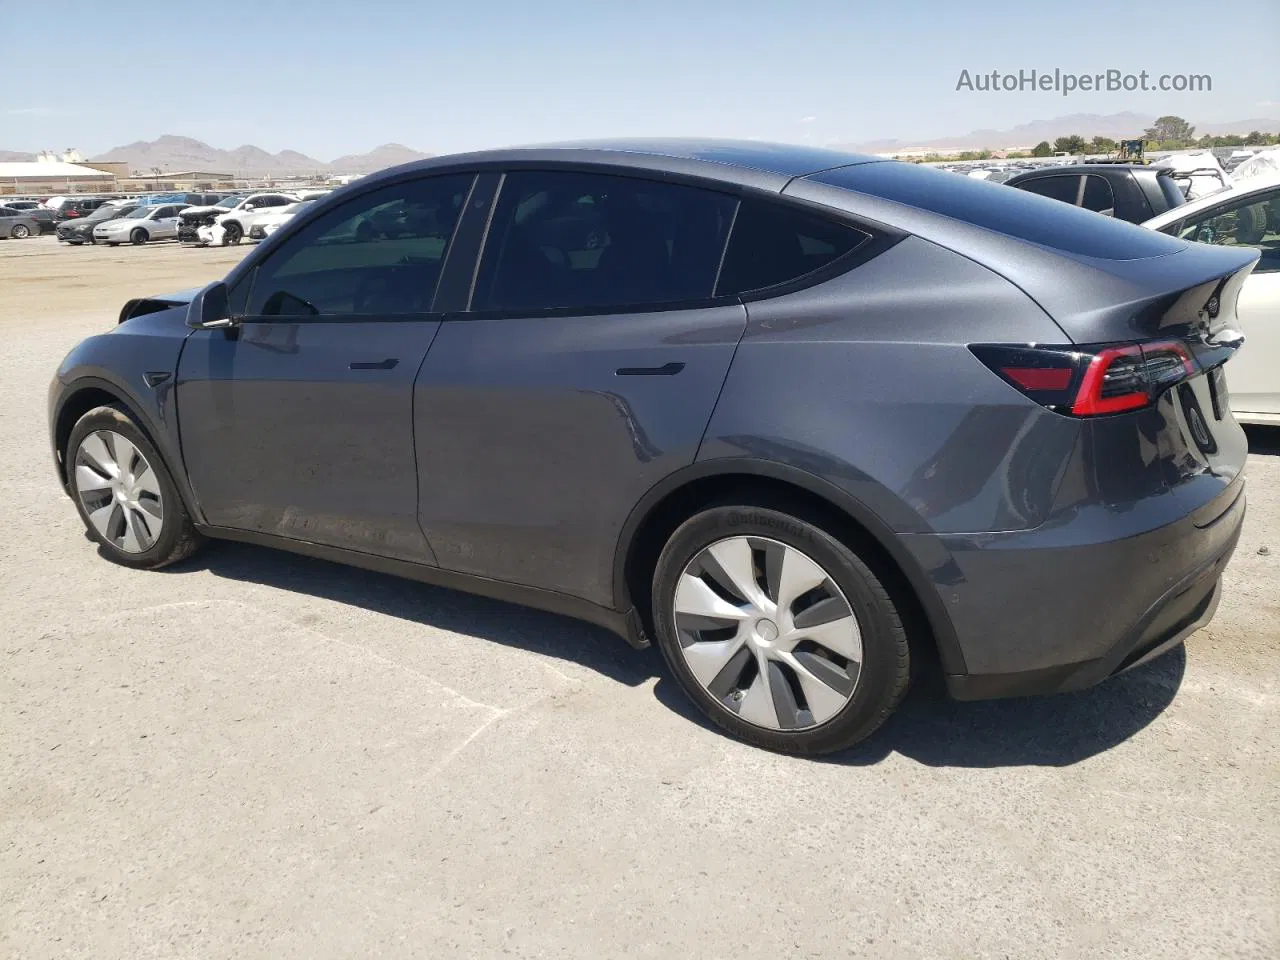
(1253, 376)
(297, 422)
(584, 373)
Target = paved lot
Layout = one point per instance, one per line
(257, 755)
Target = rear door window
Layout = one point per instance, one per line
(565, 240)
(773, 244)
(1064, 188)
(1098, 195)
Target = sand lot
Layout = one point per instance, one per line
(256, 755)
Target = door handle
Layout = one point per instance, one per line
(666, 370)
(373, 364)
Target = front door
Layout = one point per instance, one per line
(585, 373)
(297, 422)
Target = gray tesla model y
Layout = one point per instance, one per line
(797, 416)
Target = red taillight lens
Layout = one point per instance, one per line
(1114, 381)
(1040, 378)
(1090, 380)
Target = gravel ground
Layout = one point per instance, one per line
(258, 755)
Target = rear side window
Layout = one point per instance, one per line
(1065, 189)
(1098, 195)
(568, 240)
(995, 207)
(774, 244)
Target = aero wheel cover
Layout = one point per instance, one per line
(119, 491)
(767, 633)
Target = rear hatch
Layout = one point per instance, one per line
(1150, 340)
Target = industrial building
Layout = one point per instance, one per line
(53, 176)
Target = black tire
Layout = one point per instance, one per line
(113, 243)
(20, 231)
(231, 234)
(138, 236)
(885, 670)
(178, 537)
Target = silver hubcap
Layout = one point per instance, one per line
(767, 632)
(119, 491)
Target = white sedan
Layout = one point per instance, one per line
(148, 223)
(1246, 215)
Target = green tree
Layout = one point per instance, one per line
(1072, 144)
(1170, 128)
(1254, 138)
(1102, 145)
(1042, 149)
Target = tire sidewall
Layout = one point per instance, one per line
(881, 678)
(175, 514)
(139, 236)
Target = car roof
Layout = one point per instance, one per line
(747, 162)
(1252, 185)
(1074, 169)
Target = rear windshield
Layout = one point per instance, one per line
(1003, 209)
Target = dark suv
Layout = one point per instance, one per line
(1125, 191)
(798, 416)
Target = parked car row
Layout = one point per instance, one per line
(198, 218)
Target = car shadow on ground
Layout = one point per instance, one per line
(1051, 731)
(545, 633)
(1263, 440)
(928, 726)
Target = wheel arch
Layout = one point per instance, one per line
(84, 394)
(769, 483)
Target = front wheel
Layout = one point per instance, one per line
(138, 236)
(779, 632)
(125, 494)
(231, 234)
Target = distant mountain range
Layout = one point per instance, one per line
(173, 154)
(1117, 126)
(176, 154)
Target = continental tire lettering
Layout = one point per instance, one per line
(764, 520)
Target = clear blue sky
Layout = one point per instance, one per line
(346, 76)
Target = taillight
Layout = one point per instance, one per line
(1090, 380)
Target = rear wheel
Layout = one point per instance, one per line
(138, 236)
(124, 493)
(20, 231)
(779, 632)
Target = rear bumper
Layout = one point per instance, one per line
(1051, 618)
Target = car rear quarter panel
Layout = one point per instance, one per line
(867, 382)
